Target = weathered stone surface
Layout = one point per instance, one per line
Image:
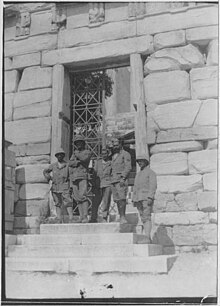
(179, 184)
(173, 207)
(212, 144)
(27, 231)
(17, 189)
(169, 163)
(34, 191)
(213, 217)
(77, 15)
(40, 22)
(161, 201)
(207, 201)
(195, 133)
(9, 158)
(26, 60)
(7, 63)
(167, 87)
(101, 51)
(28, 131)
(30, 174)
(162, 235)
(195, 235)
(32, 208)
(32, 111)
(182, 218)
(208, 113)
(212, 58)
(38, 148)
(8, 104)
(204, 82)
(32, 96)
(31, 44)
(153, 64)
(184, 146)
(9, 202)
(33, 160)
(116, 11)
(36, 77)
(202, 161)
(210, 181)
(176, 115)
(11, 81)
(202, 35)
(187, 201)
(26, 222)
(18, 150)
(169, 39)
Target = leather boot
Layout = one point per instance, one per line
(85, 207)
(80, 209)
(122, 209)
(147, 230)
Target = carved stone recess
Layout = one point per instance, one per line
(96, 12)
(58, 21)
(23, 24)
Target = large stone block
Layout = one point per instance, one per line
(30, 174)
(153, 64)
(187, 201)
(169, 163)
(41, 22)
(202, 35)
(195, 235)
(34, 191)
(210, 181)
(33, 111)
(212, 144)
(202, 161)
(38, 148)
(8, 105)
(184, 146)
(204, 82)
(207, 201)
(28, 131)
(176, 115)
(7, 63)
(161, 201)
(24, 98)
(195, 133)
(35, 77)
(179, 184)
(11, 81)
(31, 44)
(212, 58)
(9, 158)
(26, 60)
(167, 87)
(213, 217)
(208, 113)
(181, 218)
(32, 208)
(33, 160)
(169, 39)
(9, 201)
(26, 222)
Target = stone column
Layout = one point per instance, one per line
(138, 103)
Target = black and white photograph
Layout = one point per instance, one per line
(110, 152)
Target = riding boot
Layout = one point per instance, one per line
(80, 209)
(122, 208)
(147, 229)
(85, 207)
(70, 213)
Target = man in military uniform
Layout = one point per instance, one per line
(78, 166)
(145, 186)
(58, 174)
(121, 167)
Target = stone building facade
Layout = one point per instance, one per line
(171, 51)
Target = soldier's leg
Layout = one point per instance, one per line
(122, 192)
(85, 203)
(146, 219)
(106, 201)
(68, 204)
(116, 198)
(76, 197)
(96, 201)
(57, 197)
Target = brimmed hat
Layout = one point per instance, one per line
(60, 151)
(143, 157)
(79, 138)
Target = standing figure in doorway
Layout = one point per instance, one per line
(78, 169)
(121, 167)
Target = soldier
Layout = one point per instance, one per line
(121, 167)
(145, 186)
(60, 185)
(78, 166)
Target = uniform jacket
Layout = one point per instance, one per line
(103, 171)
(59, 176)
(121, 166)
(79, 163)
(145, 185)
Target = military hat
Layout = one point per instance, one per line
(143, 157)
(79, 138)
(60, 151)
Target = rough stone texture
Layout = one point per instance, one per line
(173, 207)
(204, 82)
(187, 201)
(182, 218)
(195, 133)
(195, 235)
(31, 44)
(202, 35)
(212, 144)
(32, 111)
(9, 202)
(26, 60)
(212, 58)
(208, 113)
(182, 58)
(30, 174)
(169, 163)
(202, 161)
(207, 201)
(8, 104)
(26, 222)
(36, 77)
(179, 184)
(210, 181)
(161, 201)
(184, 146)
(32, 96)
(32, 160)
(38, 148)
(34, 191)
(32, 208)
(7, 63)
(213, 217)
(176, 115)
(28, 131)
(40, 22)
(169, 39)
(167, 87)
(11, 81)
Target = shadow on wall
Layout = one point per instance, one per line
(161, 236)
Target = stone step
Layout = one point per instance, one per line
(155, 264)
(82, 239)
(97, 250)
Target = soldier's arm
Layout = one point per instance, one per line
(73, 162)
(127, 168)
(153, 184)
(84, 157)
(47, 171)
